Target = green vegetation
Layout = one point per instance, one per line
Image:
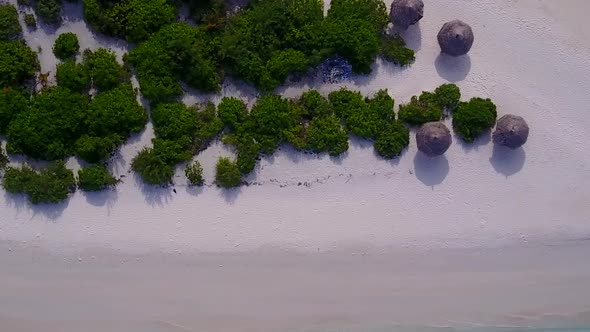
(326, 135)
(73, 76)
(30, 20)
(96, 149)
(227, 174)
(66, 45)
(12, 103)
(51, 185)
(95, 178)
(18, 63)
(392, 141)
(49, 10)
(105, 71)
(9, 26)
(133, 20)
(232, 112)
(430, 106)
(3, 159)
(177, 52)
(181, 132)
(393, 48)
(194, 173)
(471, 119)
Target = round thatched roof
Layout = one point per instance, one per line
(511, 131)
(434, 138)
(406, 12)
(455, 38)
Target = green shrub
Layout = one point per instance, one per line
(471, 119)
(174, 121)
(30, 20)
(96, 149)
(232, 112)
(194, 173)
(18, 63)
(177, 52)
(373, 12)
(356, 40)
(421, 110)
(270, 117)
(51, 185)
(393, 48)
(227, 174)
(95, 178)
(365, 118)
(152, 169)
(105, 71)
(209, 125)
(326, 135)
(9, 26)
(49, 10)
(116, 112)
(315, 104)
(66, 45)
(392, 141)
(73, 76)
(134, 20)
(448, 96)
(12, 103)
(3, 159)
(50, 127)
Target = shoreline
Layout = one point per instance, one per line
(404, 290)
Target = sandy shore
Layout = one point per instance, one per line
(482, 235)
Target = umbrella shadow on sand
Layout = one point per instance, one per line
(452, 69)
(430, 171)
(506, 161)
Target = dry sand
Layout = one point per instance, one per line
(511, 215)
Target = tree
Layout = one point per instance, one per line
(421, 109)
(73, 76)
(133, 20)
(66, 45)
(96, 149)
(326, 135)
(12, 103)
(471, 119)
(194, 173)
(152, 169)
(227, 174)
(232, 112)
(393, 48)
(448, 96)
(9, 26)
(18, 63)
(105, 71)
(50, 127)
(95, 178)
(51, 185)
(30, 20)
(392, 141)
(49, 10)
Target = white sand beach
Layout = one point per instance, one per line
(483, 235)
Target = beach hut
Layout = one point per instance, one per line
(433, 138)
(455, 38)
(406, 12)
(511, 131)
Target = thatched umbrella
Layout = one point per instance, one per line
(511, 131)
(434, 138)
(455, 38)
(406, 12)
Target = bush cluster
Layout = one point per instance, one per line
(74, 76)
(104, 70)
(18, 63)
(227, 174)
(194, 173)
(177, 52)
(50, 185)
(133, 20)
(12, 103)
(30, 20)
(95, 178)
(471, 119)
(9, 26)
(393, 48)
(66, 45)
(430, 106)
(61, 122)
(49, 10)
(181, 132)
